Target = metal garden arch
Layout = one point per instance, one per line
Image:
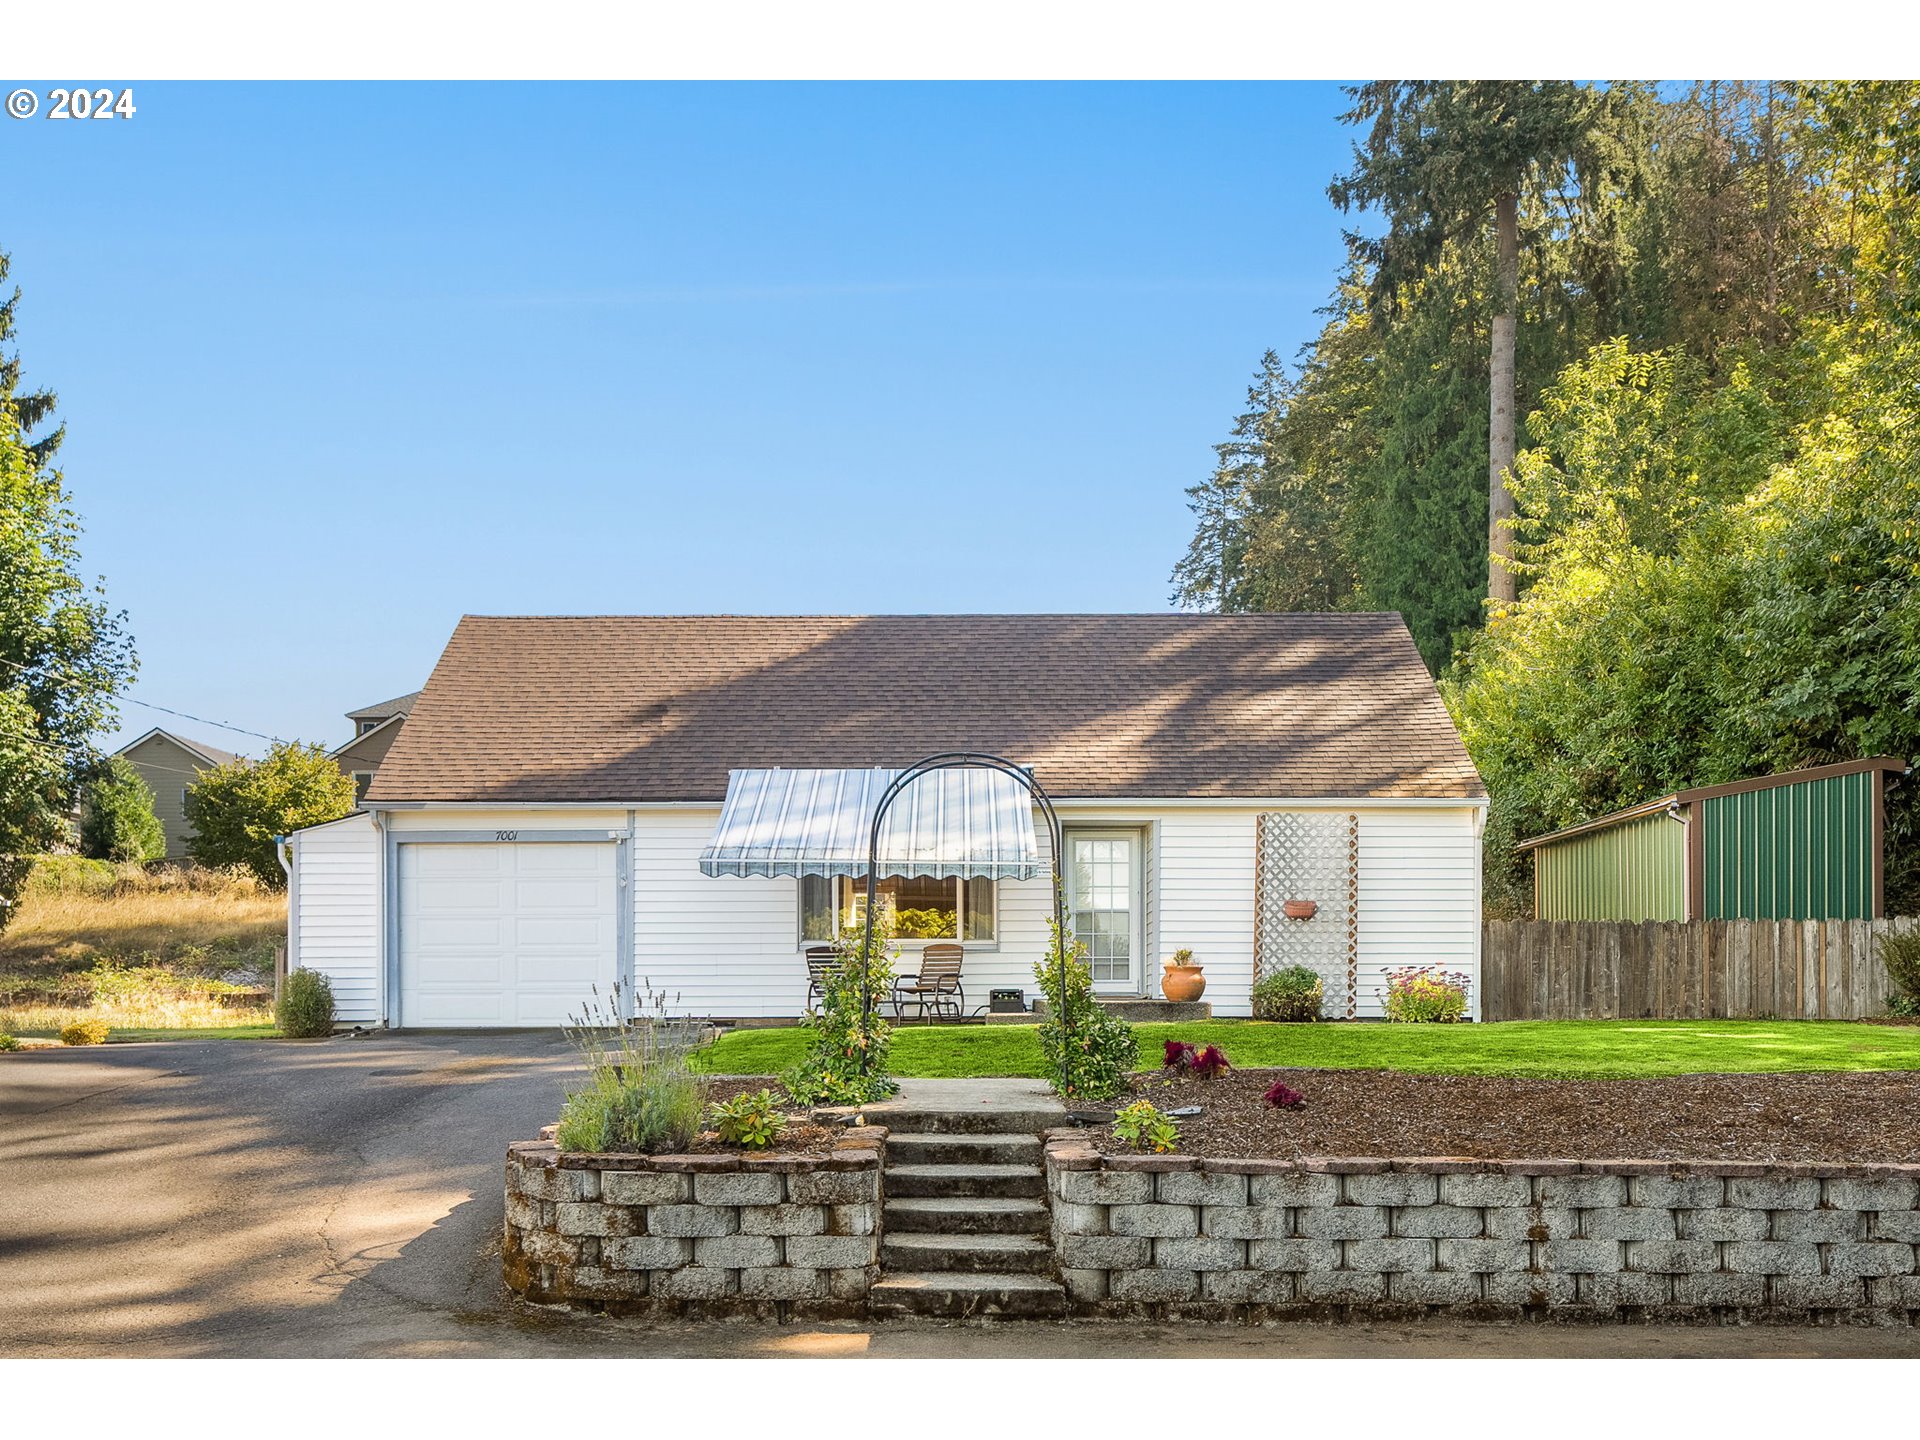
(957, 760)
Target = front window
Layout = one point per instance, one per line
(923, 908)
(361, 780)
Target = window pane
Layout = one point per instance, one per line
(816, 909)
(979, 909)
(923, 908)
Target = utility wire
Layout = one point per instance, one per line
(167, 709)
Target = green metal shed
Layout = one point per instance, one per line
(1802, 845)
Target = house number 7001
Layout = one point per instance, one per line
(506, 834)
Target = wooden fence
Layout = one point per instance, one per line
(1674, 970)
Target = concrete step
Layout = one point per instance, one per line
(1006, 1254)
(1005, 1182)
(964, 1215)
(996, 1121)
(962, 1149)
(955, 1296)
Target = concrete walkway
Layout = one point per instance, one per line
(992, 1095)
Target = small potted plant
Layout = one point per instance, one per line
(1182, 981)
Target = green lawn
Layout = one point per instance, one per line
(178, 1032)
(1598, 1049)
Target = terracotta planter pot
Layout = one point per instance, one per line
(1181, 983)
(1300, 909)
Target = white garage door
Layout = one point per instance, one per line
(504, 934)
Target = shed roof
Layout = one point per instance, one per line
(1709, 792)
(537, 709)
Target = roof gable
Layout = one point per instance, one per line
(660, 708)
(211, 754)
(386, 709)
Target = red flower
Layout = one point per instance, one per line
(1177, 1055)
(1283, 1096)
(1210, 1062)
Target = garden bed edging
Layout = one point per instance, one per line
(1178, 1237)
(696, 1236)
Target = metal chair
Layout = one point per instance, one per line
(935, 991)
(820, 961)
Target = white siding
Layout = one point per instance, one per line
(506, 819)
(336, 921)
(1205, 892)
(1419, 897)
(730, 947)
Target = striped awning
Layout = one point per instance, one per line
(977, 824)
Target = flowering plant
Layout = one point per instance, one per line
(1283, 1096)
(1144, 1125)
(1426, 994)
(1209, 1061)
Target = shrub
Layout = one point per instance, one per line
(753, 1121)
(1206, 1061)
(1426, 995)
(1290, 994)
(1901, 955)
(1145, 1127)
(116, 816)
(7, 1042)
(305, 1008)
(236, 810)
(85, 1032)
(846, 1060)
(1282, 1096)
(641, 1097)
(1181, 959)
(1088, 1049)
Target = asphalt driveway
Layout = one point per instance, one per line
(343, 1198)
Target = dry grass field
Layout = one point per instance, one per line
(145, 949)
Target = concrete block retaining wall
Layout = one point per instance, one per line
(1178, 1236)
(696, 1235)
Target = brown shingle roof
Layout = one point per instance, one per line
(651, 708)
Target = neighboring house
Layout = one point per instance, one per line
(1800, 845)
(170, 763)
(374, 731)
(556, 811)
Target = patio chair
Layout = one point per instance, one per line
(820, 960)
(935, 991)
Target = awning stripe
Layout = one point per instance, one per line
(973, 823)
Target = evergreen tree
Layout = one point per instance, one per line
(1439, 158)
(31, 408)
(63, 654)
(116, 816)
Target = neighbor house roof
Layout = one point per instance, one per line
(658, 708)
(386, 709)
(211, 754)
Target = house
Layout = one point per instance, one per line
(1800, 845)
(680, 804)
(169, 763)
(374, 731)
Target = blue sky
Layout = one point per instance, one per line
(340, 363)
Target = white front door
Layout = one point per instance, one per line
(1103, 905)
(505, 934)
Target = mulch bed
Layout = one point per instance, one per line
(1832, 1116)
(801, 1137)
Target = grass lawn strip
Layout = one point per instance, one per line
(1544, 1049)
